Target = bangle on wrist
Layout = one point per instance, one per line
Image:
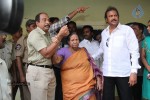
(68, 18)
(56, 42)
(55, 39)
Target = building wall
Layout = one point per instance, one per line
(93, 16)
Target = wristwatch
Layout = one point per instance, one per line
(68, 19)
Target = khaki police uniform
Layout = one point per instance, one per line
(13, 50)
(5, 83)
(22, 51)
(15, 76)
(42, 80)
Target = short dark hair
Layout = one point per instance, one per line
(30, 22)
(110, 8)
(72, 33)
(72, 22)
(37, 17)
(141, 27)
(148, 21)
(52, 19)
(89, 27)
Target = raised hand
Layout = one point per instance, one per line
(64, 31)
(82, 9)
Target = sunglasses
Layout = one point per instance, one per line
(107, 42)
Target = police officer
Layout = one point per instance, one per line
(22, 51)
(41, 48)
(21, 57)
(14, 70)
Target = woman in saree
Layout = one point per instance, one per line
(145, 56)
(80, 76)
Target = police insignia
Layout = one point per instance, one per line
(18, 47)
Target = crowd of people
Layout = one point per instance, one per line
(56, 61)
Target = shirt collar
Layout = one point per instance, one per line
(118, 27)
(41, 31)
(88, 40)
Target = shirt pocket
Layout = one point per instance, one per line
(118, 41)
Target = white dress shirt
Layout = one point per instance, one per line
(5, 83)
(120, 49)
(91, 47)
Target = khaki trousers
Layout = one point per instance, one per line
(42, 83)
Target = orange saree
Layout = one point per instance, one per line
(77, 76)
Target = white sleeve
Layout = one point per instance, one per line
(98, 53)
(133, 46)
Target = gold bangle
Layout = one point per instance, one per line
(55, 39)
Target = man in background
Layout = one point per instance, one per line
(14, 70)
(5, 64)
(22, 59)
(89, 43)
(137, 88)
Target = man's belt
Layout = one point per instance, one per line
(24, 64)
(44, 66)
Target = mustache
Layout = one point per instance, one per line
(47, 25)
(113, 20)
(85, 35)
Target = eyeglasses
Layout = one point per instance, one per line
(107, 42)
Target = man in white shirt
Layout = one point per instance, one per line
(89, 43)
(5, 83)
(119, 68)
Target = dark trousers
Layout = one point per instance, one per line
(24, 90)
(124, 91)
(137, 89)
(58, 91)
